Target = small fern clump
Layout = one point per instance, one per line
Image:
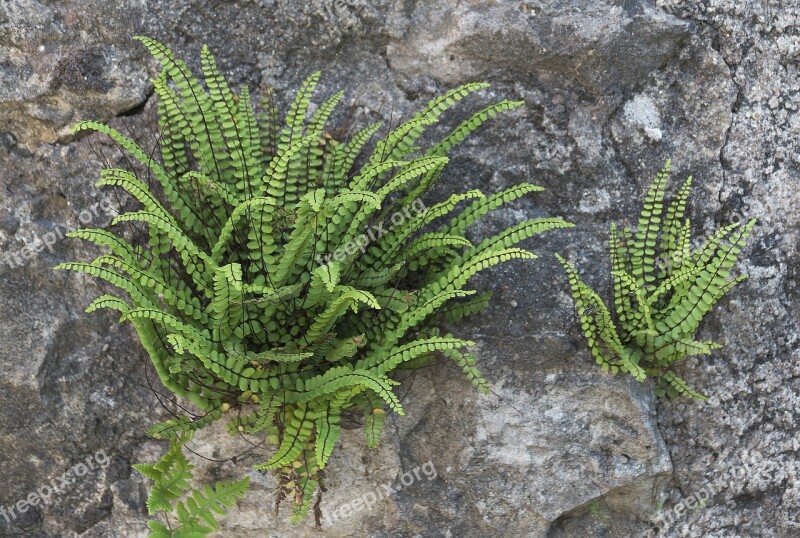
(663, 286)
(196, 510)
(272, 284)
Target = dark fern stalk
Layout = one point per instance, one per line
(260, 290)
(663, 287)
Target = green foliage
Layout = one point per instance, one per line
(263, 286)
(663, 286)
(195, 510)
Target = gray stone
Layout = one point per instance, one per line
(560, 449)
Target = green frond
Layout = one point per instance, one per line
(387, 248)
(400, 142)
(207, 504)
(328, 429)
(292, 183)
(176, 297)
(337, 379)
(276, 179)
(348, 299)
(459, 224)
(110, 302)
(299, 428)
(382, 362)
(134, 291)
(674, 385)
(197, 263)
(416, 169)
(643, 254)
(116, 244)
(121, 178)
(466, 361)
(373, 425)
(169, 321)
(171, 475)
(127, 144)
(431, 243)
(349, 153)
(458, 310)
(197, 510)
(458, 275)
(673, 221)
(183, 424)
(708, 286)
(469, 125)
(410, 319)
(513, 235)
(244, 209)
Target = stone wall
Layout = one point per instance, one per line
(611, 90)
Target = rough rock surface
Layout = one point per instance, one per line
(611, 89)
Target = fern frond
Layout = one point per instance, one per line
(299, 428)
(479, 208)
(171, 475)
(328, 429)
(206, 504)
(199, 509)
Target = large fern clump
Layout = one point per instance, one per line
(663, 286)
(286, 273)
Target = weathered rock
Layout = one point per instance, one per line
(746, 441)
(52, 72)
(559, 449)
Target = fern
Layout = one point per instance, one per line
(262, 287)
(195, 510)
(662, 290)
